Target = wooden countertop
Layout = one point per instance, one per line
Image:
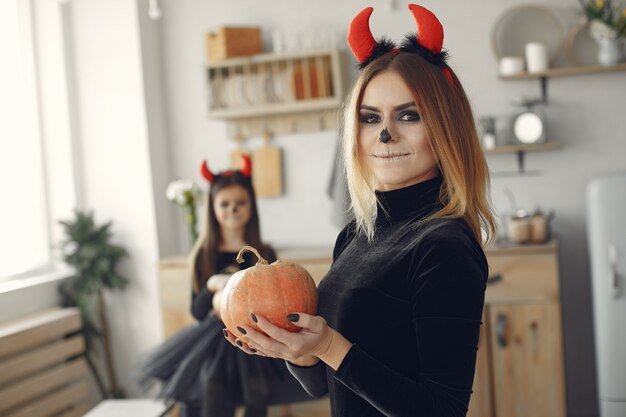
(313, 253)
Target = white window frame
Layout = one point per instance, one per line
(45, 28)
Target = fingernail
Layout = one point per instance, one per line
(293, 317)
(252, 350)
(238, 342)
(254, 319)
(242, 330)
(225, 333)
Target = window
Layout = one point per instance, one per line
(24, 220)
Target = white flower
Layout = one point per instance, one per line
(171, 191)
(600, 30)
(183, 192)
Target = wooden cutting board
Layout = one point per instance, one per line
(267, 169)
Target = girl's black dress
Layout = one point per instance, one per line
(411, 303)
(199, 354)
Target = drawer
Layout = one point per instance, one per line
(523, 277)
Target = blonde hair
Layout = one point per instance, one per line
(449, 122)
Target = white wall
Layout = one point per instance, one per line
(115, 150)
(586, 114)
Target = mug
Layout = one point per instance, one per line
(536, 57)
(511, 65)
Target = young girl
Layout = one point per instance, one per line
(197, 366)
(400, 309)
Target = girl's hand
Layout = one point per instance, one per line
(217, 296)
(315, 339)
(217, 282)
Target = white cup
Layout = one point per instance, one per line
(511, 65)
(536, 57)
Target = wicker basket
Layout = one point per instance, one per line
(228, 41)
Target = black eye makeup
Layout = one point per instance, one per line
(369, 118)
(410, 116)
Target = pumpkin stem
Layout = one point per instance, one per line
(261, 261)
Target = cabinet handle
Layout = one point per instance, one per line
(501, 330)
(613, 274)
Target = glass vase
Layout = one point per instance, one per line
(190, 221)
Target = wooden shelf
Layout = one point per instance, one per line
(548, 146)
(567, 72)
(276, 108)
(276, 93)
(520, 151)
(269, 57)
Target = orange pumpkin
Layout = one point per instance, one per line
(272, 291)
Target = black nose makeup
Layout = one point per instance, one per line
(384, 136)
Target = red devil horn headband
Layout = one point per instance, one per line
(246, 170)
(427, 42)
(429, 29)
(360, 37)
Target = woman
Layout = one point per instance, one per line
(197, 366)
(400, 309)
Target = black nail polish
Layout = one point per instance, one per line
(293, 317)
(225, 333)
(242, 330)
(254, 319)
(238, 342)
(252, 350)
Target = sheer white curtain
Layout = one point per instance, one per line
(24, 224)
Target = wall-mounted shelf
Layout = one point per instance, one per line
(282, 93)
(548, 146)
(520, 151)
(562, 72)
(567, 72)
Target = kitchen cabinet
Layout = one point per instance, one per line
(519, 370)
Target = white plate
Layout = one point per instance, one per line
(581, 48)
(530, 23)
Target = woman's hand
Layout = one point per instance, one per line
(315, 340)
(217, 282)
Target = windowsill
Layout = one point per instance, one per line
(33, 281)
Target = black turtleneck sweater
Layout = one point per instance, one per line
(411, 303)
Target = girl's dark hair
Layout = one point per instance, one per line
(203, 257)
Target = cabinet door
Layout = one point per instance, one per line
(527, 360)
(175, 289)
(481, 403)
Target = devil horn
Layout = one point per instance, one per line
(429, 29)
(246, 168)
(206, 172)
(360, 36)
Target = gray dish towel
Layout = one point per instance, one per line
(338, 189)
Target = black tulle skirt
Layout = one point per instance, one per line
(199, 354)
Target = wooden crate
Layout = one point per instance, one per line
(228, 41)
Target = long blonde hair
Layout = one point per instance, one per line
(449, 122)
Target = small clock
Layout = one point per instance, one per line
(529, 127)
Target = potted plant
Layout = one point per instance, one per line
(607, 25)
(88, 250)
